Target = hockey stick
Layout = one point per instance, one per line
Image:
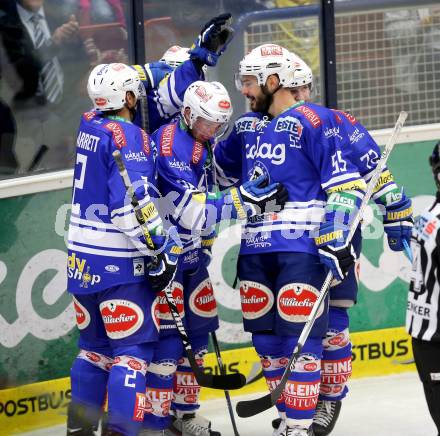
(223, 371)
(227, 381)
(143, 106)
(252, 407)
(134, 200)
(255, 374)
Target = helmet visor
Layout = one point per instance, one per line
(205, 130)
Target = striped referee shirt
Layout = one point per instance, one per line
(422, 314)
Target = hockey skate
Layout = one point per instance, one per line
(276, 423)
(297, 431)
(191, 425)
(79, 422)
(326, 415)
(280, 428)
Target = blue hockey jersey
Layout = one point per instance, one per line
(184, 178)
(165, 88)
(365, 153)
(303, 148)
(105, 244)
(186, 184)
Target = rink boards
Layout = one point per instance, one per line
(43, 404)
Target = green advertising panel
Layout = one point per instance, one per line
(37, 334)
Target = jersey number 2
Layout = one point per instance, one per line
(79, 183)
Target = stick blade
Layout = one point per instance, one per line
(227, 382)
(246, 409)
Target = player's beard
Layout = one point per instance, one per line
(262, 102)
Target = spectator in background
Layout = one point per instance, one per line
(105, 45)
(45, 55)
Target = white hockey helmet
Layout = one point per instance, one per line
(302, 74)
(208, 100)
(268, 59)
(175, 56)
(108, 85)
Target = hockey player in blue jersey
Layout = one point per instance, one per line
(284, 257)
(114, 294)
(336, 361)
(186, 182)
(165, 81)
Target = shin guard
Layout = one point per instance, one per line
(336, 358)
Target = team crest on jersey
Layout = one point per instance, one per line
(259, 169)
(202, 301)
(82, 314)
(162, 311)
(256, 299)
(121, 318)
(310, 114)
(197, 152)
(118, 134)
(295, 302)
(167, 139)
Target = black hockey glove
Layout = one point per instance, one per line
(213, 40)
(334, 251)
(162, 268)
(259, 197)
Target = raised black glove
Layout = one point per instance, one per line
(212, 40)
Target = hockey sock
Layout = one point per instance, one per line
(302, 387)
(273, 361)
(160, 376)
(186, 388)
(88, 376)
(126, 388)
(336, 357)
